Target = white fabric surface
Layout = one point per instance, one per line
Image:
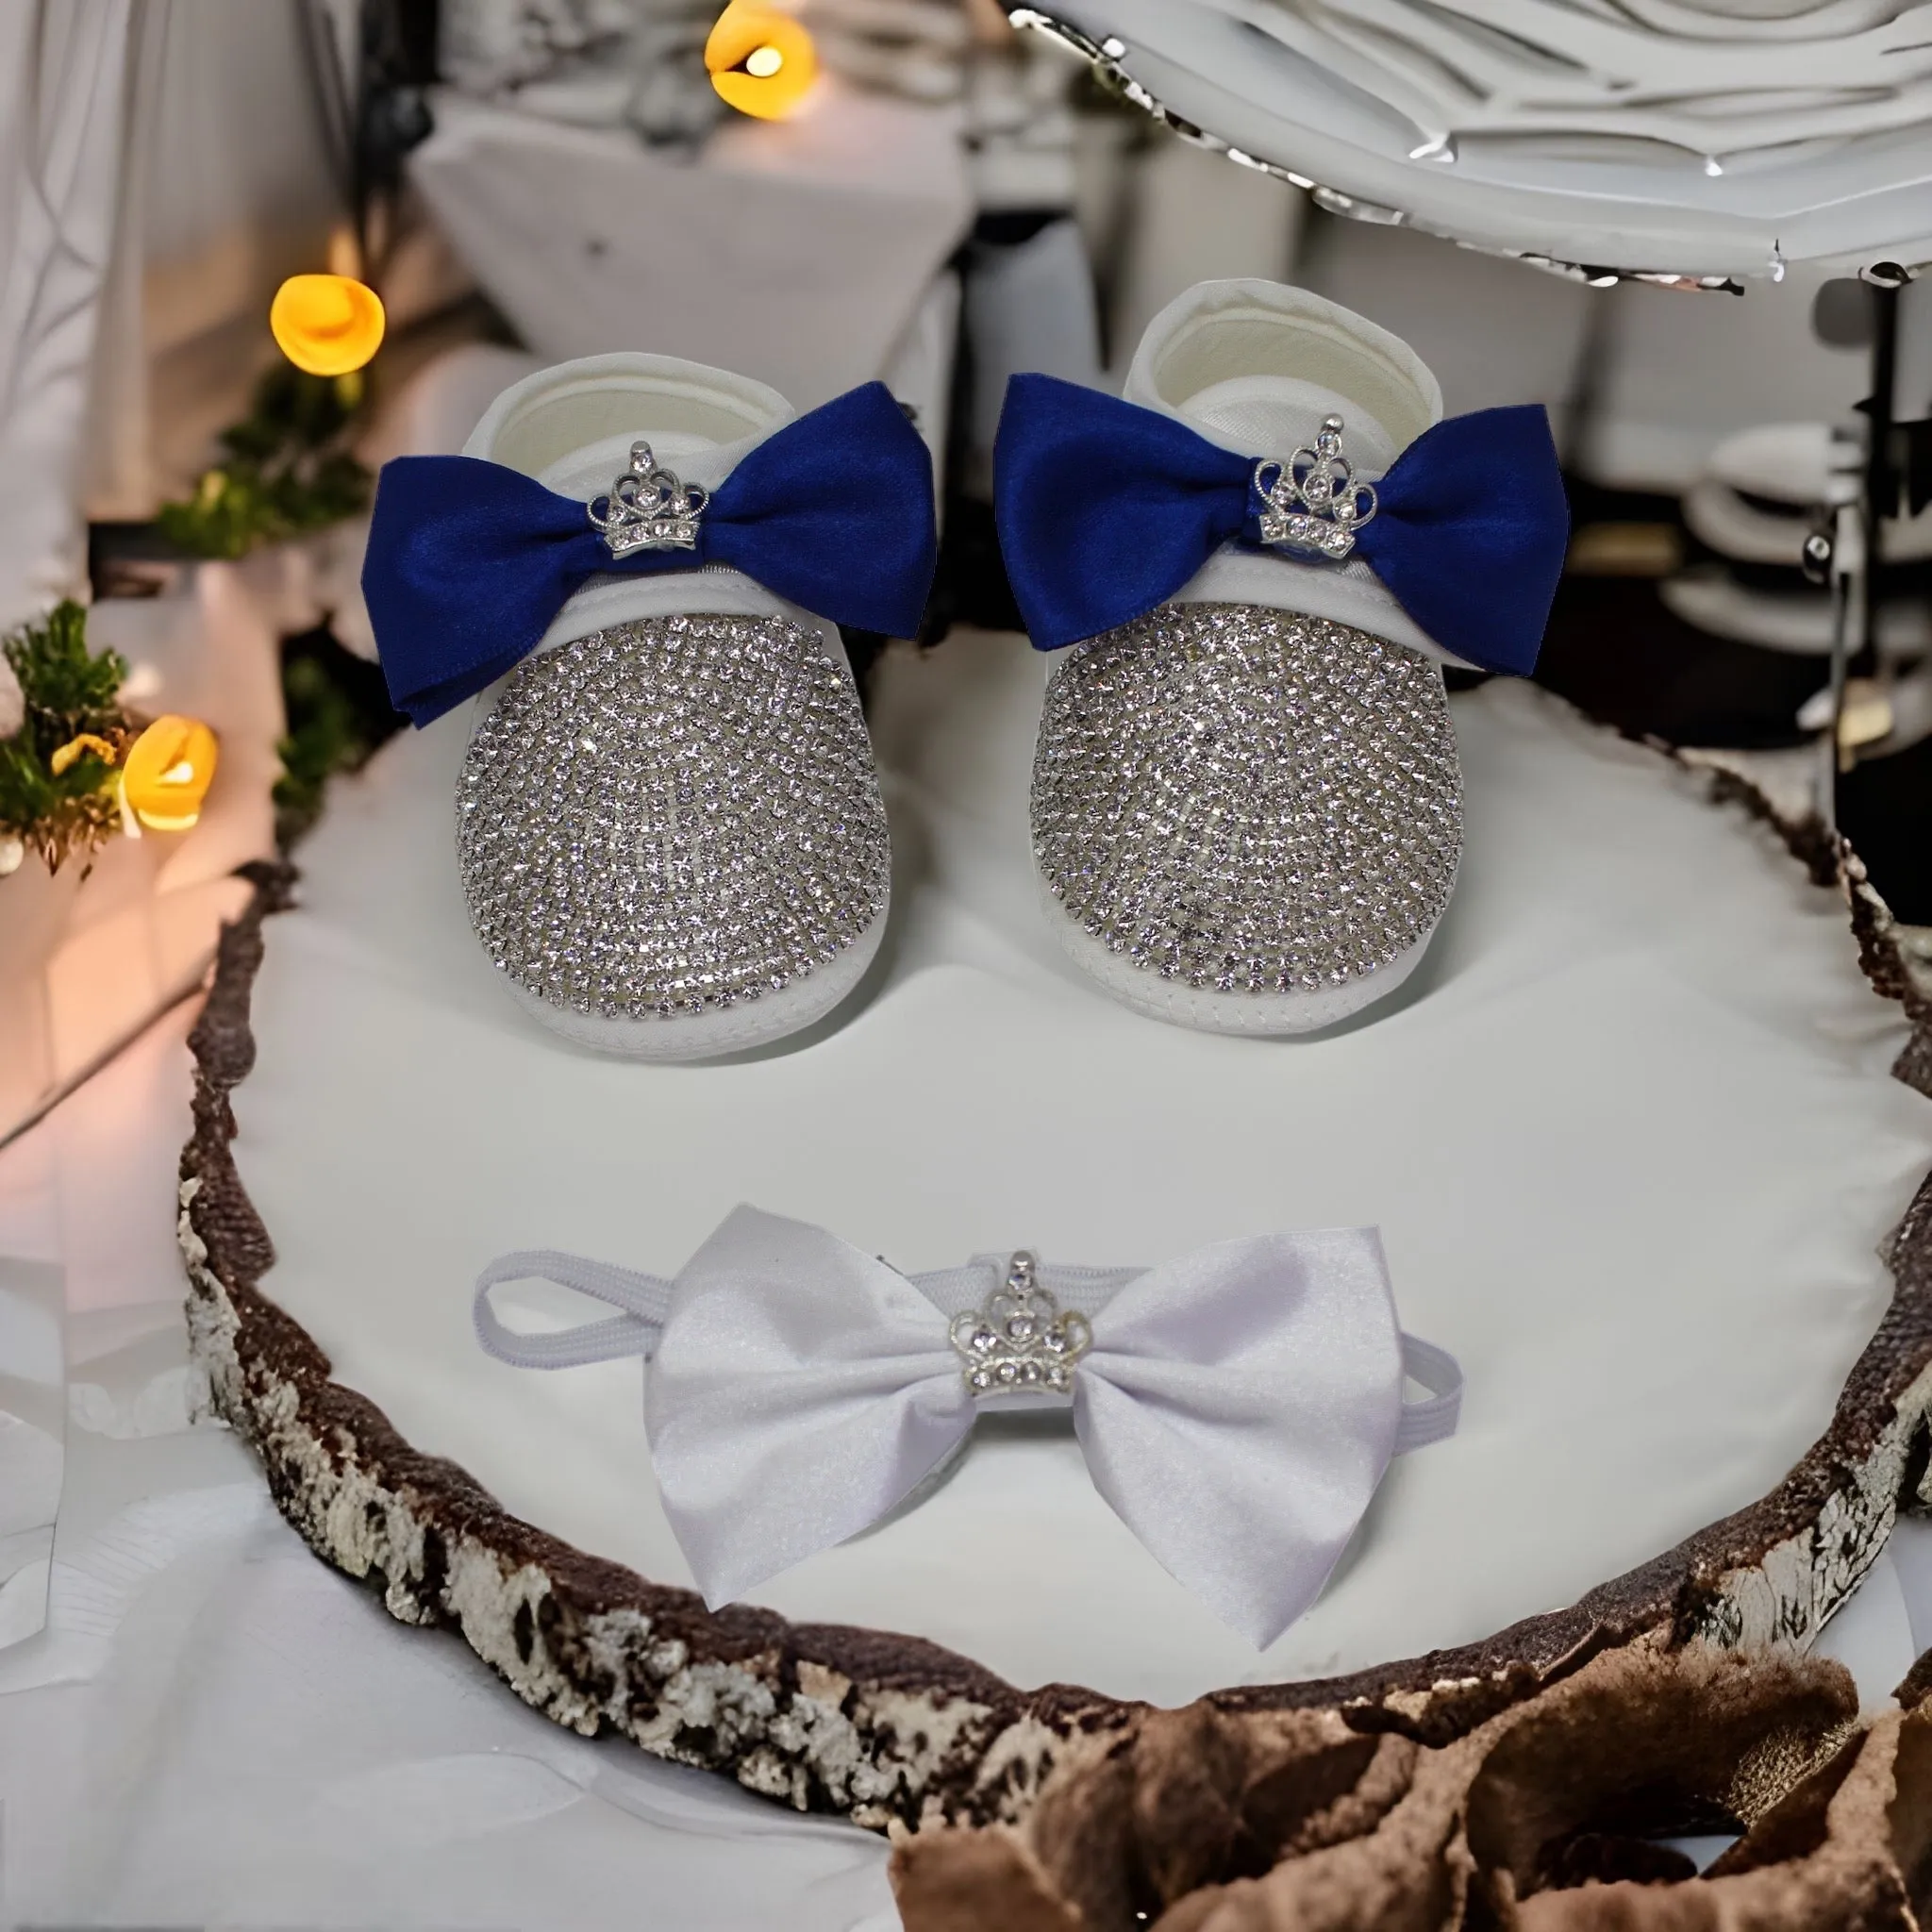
(796, 252)
(33, 1386)
(1638, 1088)
(217, 1730)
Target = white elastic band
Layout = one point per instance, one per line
(1440, 1374)
(644, 1299)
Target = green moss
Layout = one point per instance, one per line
(286, 469)
(338, 713)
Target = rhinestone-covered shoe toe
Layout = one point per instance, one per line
(671, 836)
(1246, 820)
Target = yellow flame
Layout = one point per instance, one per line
(761, 60)
(168, 772)
(326, 325)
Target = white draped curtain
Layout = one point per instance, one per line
(162, 166)
(64, 73)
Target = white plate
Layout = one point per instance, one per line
(1699, 143)
(1629, 1134)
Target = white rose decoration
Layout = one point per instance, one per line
(12, 704)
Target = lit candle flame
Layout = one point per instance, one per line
(326, 325)
(761, 60)
(168, 771)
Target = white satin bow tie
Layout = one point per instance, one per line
(1236, 1406)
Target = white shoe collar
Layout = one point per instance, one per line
(572, 426)
(1255, 366)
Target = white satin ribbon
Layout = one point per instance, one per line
(1237, 1407)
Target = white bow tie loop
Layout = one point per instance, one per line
(1237, 1407)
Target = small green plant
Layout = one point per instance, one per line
(57, 800)
(338, 712)
(285, 469)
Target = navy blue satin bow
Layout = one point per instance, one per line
(1105, 510)
(470, 561)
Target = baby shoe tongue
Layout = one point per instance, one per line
(1274, 415)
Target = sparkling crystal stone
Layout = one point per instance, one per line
(1248, 800)
(671, 816)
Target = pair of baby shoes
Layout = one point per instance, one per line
(1246, 797)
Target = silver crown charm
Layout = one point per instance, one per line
(1312, 503)
(1020, 1343)
(647, 509)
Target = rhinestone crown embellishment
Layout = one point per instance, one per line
(1020, 1344)
(1312, 503)
(647, 509)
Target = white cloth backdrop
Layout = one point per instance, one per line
(161, 167)
(64, 67)
(227, 183)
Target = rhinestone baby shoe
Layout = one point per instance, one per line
(1247, 805)
(668, 826)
